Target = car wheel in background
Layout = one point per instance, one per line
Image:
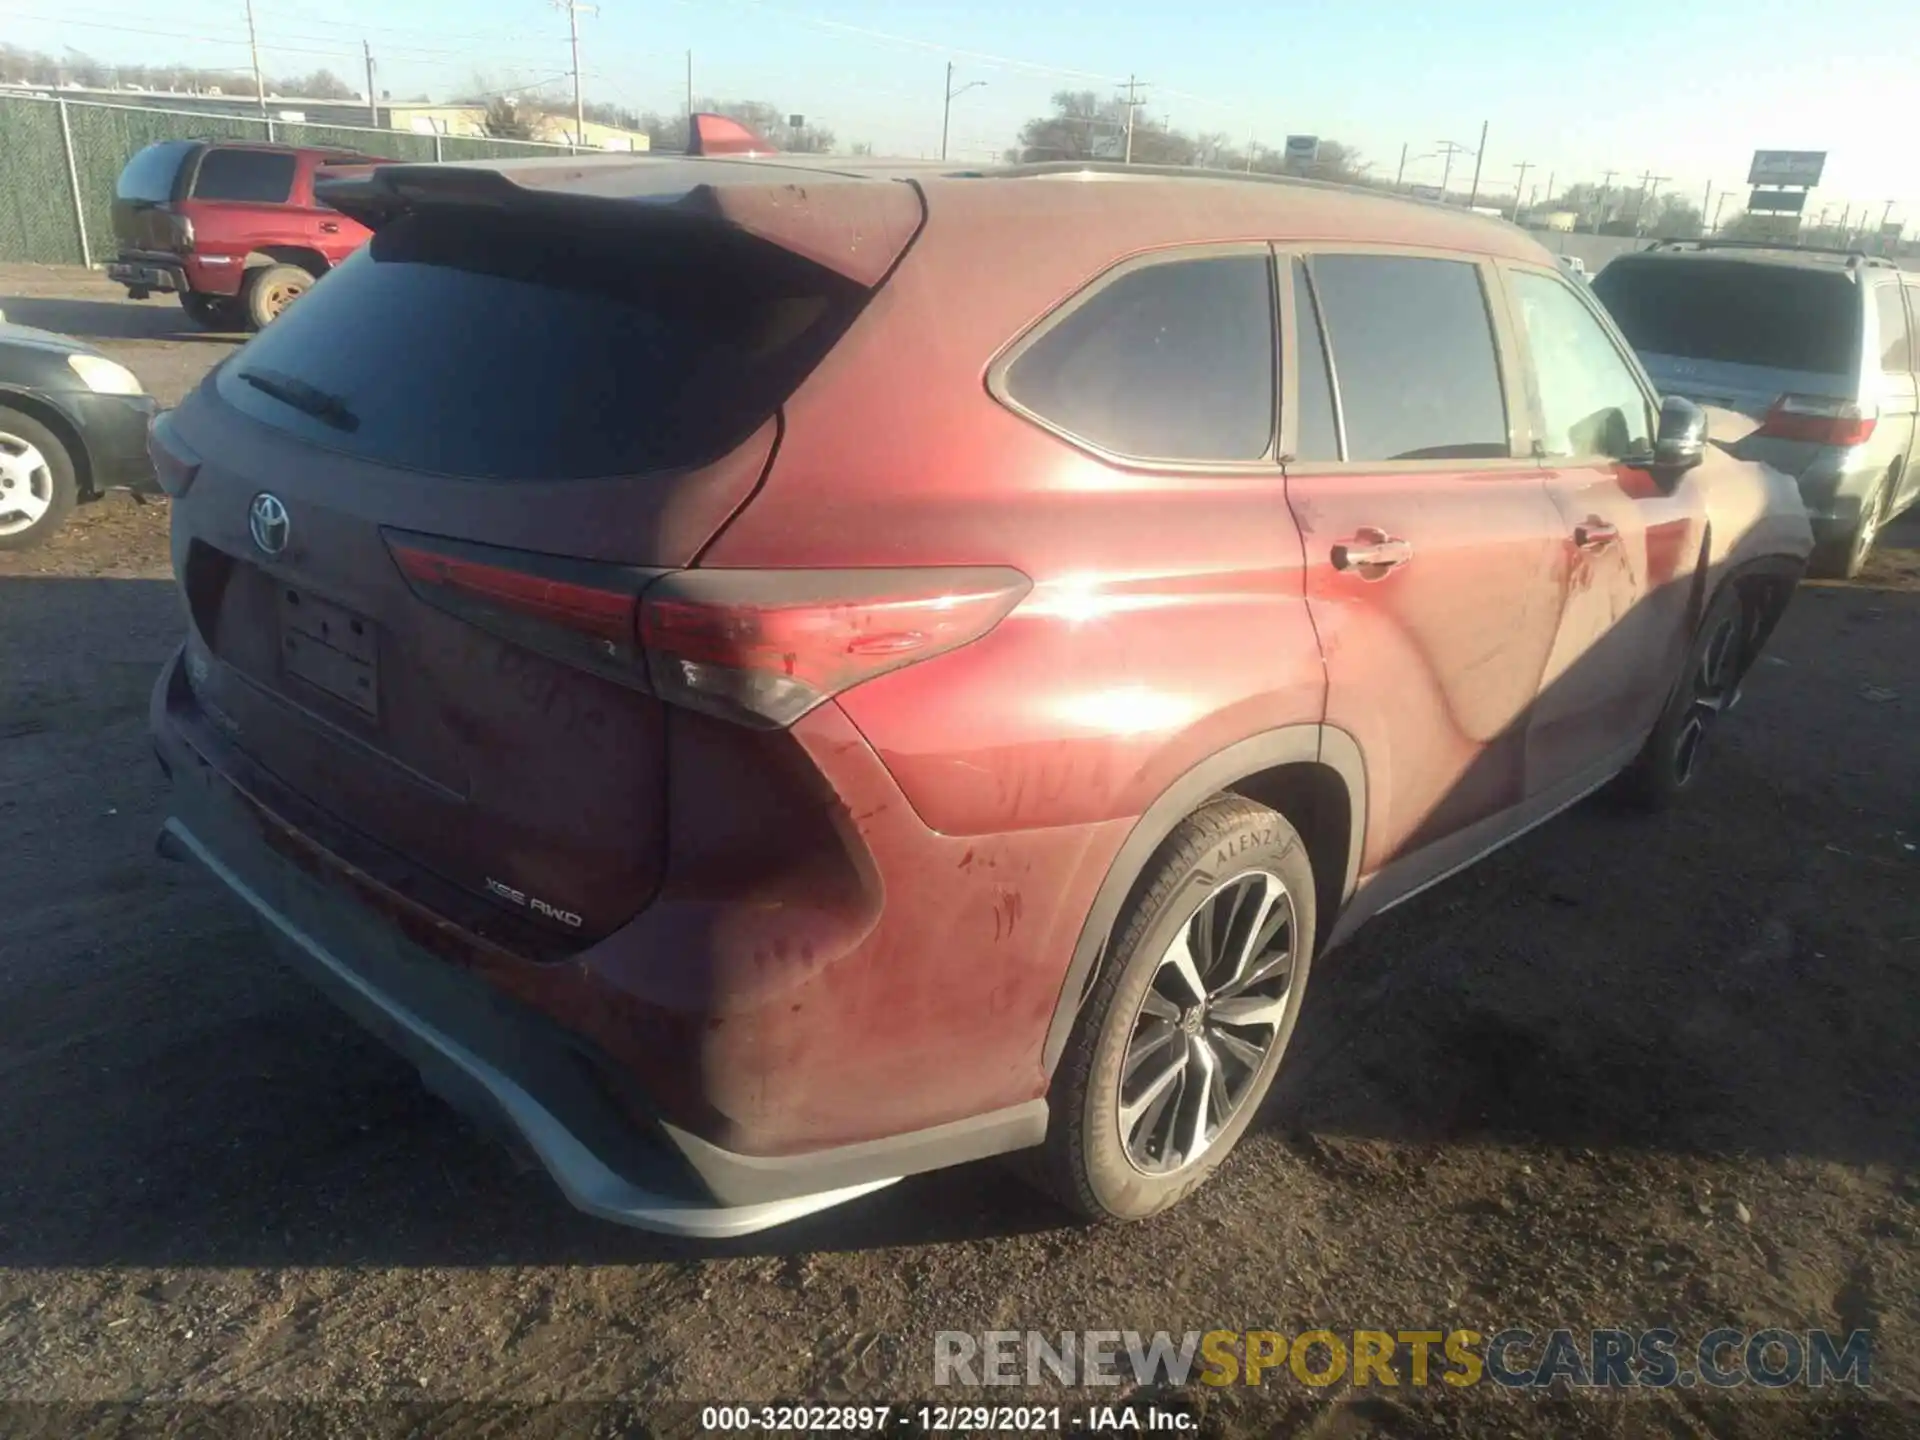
(37, 485)
(1707, 689)
(270, 290)
(1183, 1031)
(1845, 558)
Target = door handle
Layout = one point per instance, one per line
(1595, 534)
(330, 227)
(1372, 552)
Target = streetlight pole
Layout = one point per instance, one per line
(1519, 186)
(946, 113)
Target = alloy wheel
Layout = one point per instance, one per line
(1210, 1017)
(26, 485)
(1711, 693)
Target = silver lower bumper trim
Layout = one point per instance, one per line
(585, 1181)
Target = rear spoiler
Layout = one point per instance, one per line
(855, 227)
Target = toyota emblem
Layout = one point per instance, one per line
(267, 519)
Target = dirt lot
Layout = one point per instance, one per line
(1625, 1073)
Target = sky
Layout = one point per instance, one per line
(1685, 92)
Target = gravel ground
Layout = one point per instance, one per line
(1626, 1073)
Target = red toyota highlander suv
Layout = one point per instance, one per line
(763, 679)
(233, 229)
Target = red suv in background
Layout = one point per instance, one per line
(234, 230)
(764, 678)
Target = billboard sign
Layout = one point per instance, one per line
(1778, 202)
(1304, 148)
(1787, 167)
(1891, 230)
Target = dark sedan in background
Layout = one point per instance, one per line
(73, 425)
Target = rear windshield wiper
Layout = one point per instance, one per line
(325, 407)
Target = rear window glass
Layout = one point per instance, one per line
(497, 347)
(148, 176)
(1896, 355)
(261, 176)
(1778, 316)
(1172, 361)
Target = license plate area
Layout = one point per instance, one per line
(330, 648)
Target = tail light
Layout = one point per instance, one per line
(1819, 419)
(174, 465)
(765, 646)
(761, 647)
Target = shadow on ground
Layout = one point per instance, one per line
(157, 318)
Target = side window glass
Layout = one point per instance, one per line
(256, 175)
(1172, 361)
(1590, 402)
(1896, 349)
(1318, 436)
(1413, 356)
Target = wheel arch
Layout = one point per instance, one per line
(1311, 773)
(311, 261)
(64, 430)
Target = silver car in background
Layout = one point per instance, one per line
(1817, 346)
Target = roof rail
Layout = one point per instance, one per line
(1853, 256)
(1199, 172)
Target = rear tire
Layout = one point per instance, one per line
(1168, 1062)
(1846, 557)
(37, 484)
(269, 290)
(1708, 687)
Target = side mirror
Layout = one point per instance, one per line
(1681, 441)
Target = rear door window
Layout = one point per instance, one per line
(1781, 317)
(1896, 346)
(495, 346)
(261, 176)
(1413, 356)
(149, 175)
(1171, 361)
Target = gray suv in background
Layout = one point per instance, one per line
(1818, 346)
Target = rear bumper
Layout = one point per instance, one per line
(517, 1072)
(164, 274)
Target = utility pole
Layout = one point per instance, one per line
(253, 44)
(1600, 208)
(1519, 187)
(1479, 157)
(1449, 149)
(573, 9)
(1716, 213)
(1250, 142)
(1401, 173)
(689, 87)
(1649, 187)
(946, 113)
(1133, 84)
(373, 96)
(1548, 192)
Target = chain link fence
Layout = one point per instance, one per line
(59, 160)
